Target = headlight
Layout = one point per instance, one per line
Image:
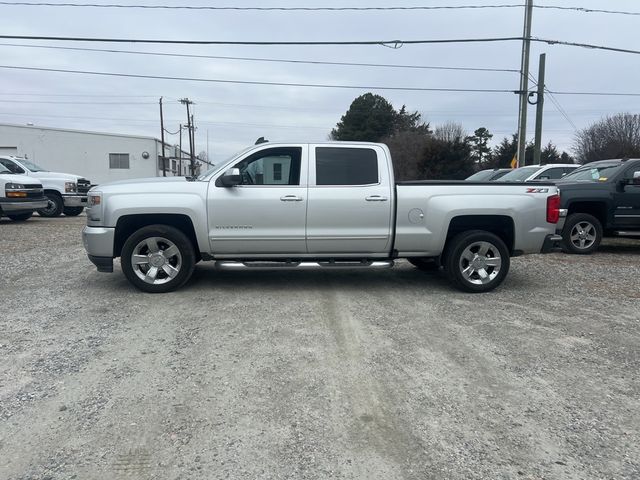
(94, 198)
(15, 190)
(70, 187)
(13, 186)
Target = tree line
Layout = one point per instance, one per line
(448, 152)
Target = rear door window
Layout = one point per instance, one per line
(346, 166)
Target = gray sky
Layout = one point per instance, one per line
(235, 115)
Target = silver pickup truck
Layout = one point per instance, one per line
(326, 205)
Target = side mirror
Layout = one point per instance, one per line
(231, 178)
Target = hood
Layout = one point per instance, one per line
(57, 176)
(583, 185)
(137, 181)
(22, 179)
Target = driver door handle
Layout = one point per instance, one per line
(376, 198)
(291, 198)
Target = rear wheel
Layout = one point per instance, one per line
(54, 205)
(582, 233)
(158, 258)
(73, 211)
(20, 217)
(476, 261)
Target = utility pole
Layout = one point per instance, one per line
(187, 102)
(193, 143)
(180, 152)
(524, 84)
(164, 168)
(539, 109)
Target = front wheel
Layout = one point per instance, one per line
(20, 217)
(582, 233)
(476, 261)
(54, 206)
(158, 259)
(73, 211)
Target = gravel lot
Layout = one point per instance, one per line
(355, 375)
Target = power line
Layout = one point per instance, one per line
(254, 59)
(252, 82)
(315, 9)
(385, 43)
(310, 85)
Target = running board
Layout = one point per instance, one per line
(271, 265)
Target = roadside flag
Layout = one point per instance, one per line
(514, 162)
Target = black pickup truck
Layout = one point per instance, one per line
(599, 199)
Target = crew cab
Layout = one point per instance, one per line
(65, 193)
(20, 195)
(600, 199)
(327, 205)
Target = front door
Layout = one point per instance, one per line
(266, 213)
(627, 200)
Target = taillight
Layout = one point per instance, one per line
(553, 209)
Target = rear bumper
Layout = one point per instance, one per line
(20, 205)
(74, 200)
(552, 243)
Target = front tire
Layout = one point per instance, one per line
(476, 261)
(582, 234)
(54, 206)
(158, 259)
(73, 211)
(20, 217)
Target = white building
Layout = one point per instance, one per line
(100, 157)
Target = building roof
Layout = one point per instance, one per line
(36, 127)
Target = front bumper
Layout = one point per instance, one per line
(552, 243)
(563, 218)
(22, 205)
(75, 200)
(98, 241)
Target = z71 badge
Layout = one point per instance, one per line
(537, 190)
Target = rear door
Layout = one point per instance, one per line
(266, 213)
(627, 201)
(350, 200)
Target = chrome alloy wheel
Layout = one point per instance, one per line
(583, 235)
(156, 260)
(480, 263)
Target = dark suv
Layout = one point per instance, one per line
(600, 199)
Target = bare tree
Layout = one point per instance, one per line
(450, 132)
(407, 149)
(616, 136)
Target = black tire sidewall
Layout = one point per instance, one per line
(170, 233)
(57, 199)
(72, 211)
(20, 217)
(452, 258)
(571, 222)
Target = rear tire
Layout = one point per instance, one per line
(158, 259)
(73, 211)
(20, 217)
(476, 261)
(582, 234)
(54, 207)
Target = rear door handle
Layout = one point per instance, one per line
(291, 198)
(376, 198)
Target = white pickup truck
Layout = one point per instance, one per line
(20, 195)
(327, 205)
(65, 193)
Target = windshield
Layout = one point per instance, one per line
(32, 166)
(483, 176)
(519, 174)
(593, 173)
(4, 169)
(218, 167)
